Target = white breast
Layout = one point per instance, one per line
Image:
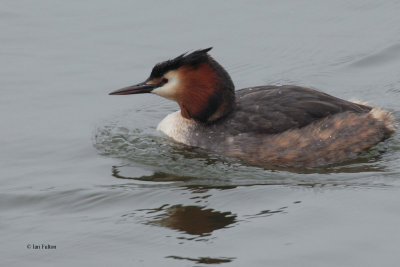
(177, 127)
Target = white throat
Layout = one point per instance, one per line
(177, 127)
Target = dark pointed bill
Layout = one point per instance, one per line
(140, 88)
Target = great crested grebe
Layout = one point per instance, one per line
(288, 126)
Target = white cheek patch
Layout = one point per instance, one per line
(170, 89)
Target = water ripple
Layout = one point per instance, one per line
(145, 155)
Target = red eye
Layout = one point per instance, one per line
(164, 80)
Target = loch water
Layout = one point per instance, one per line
(86, 180)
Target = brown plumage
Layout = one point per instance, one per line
(192, 102)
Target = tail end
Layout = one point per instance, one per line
(328, 141)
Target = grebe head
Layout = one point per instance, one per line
(202, 88)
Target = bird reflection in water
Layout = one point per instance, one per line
(204, 260)
(194, 220)
(198, 221)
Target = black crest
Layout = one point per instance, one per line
(195, 58)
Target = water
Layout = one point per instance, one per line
(89, 174)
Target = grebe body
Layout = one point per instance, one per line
(287, 126)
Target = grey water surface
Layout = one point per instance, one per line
(86, 180)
